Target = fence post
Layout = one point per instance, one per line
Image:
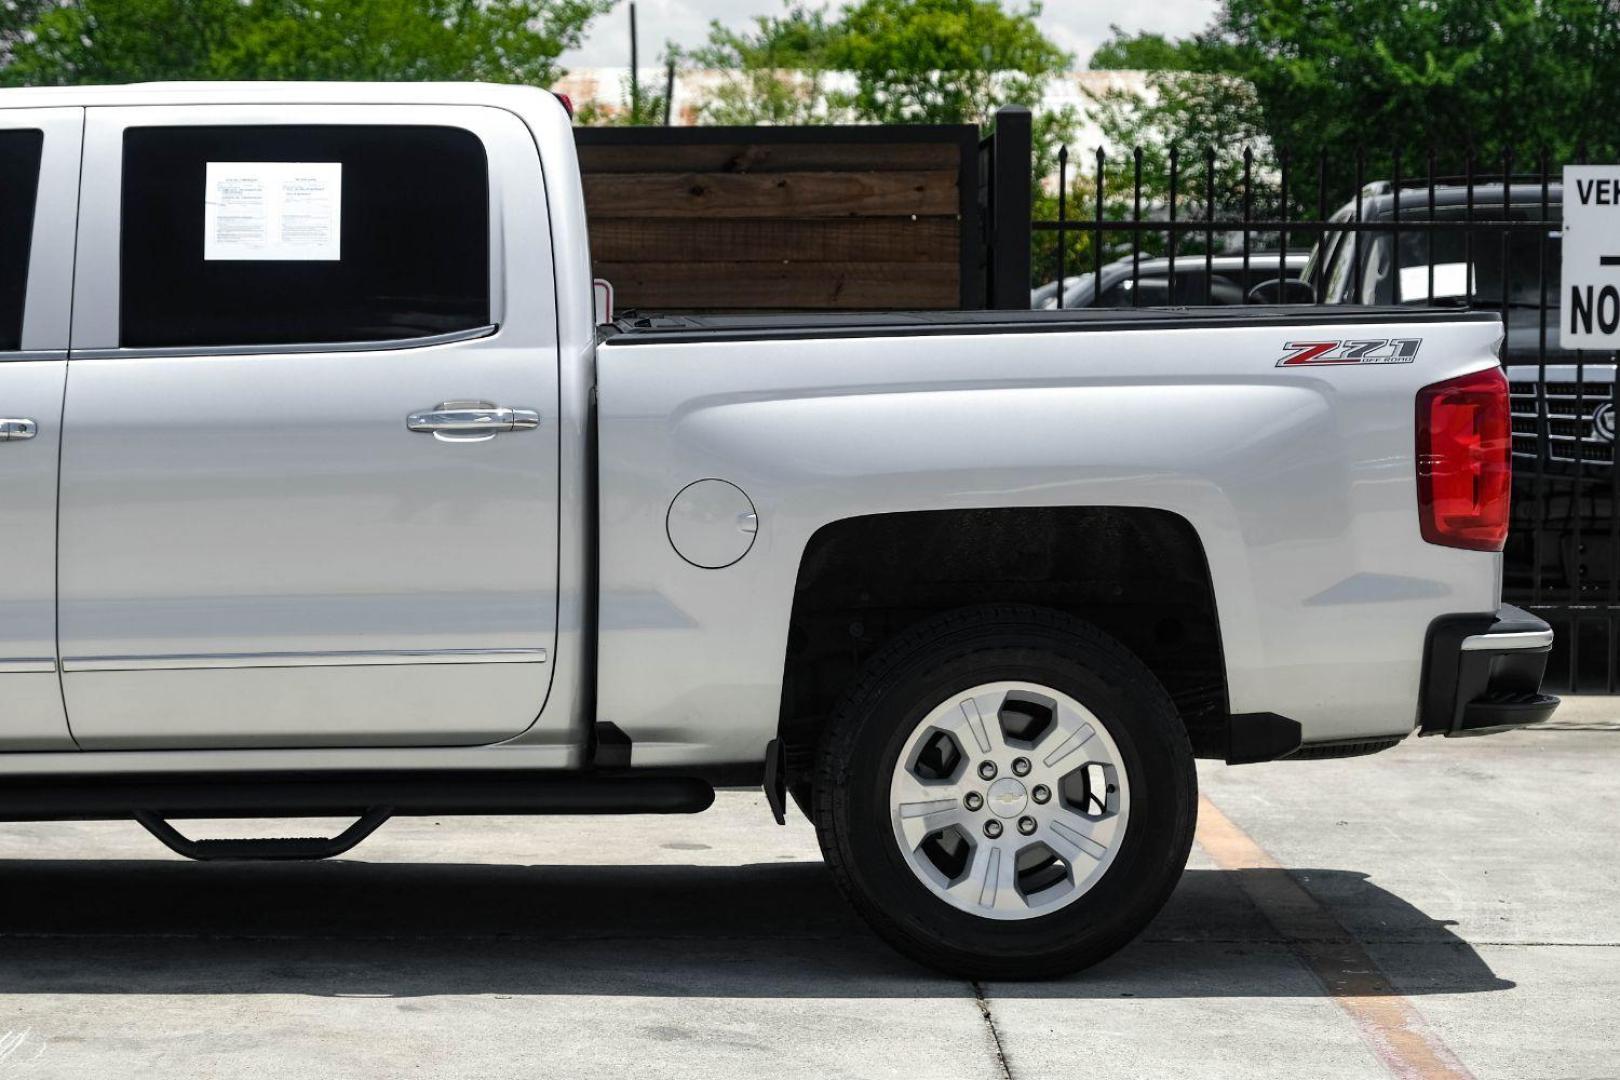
(1010, 209)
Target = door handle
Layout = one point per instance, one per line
(471, 421)
(17, 430)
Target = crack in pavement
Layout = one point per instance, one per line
(990, 1022)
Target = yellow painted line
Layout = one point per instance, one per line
(1389, 1024)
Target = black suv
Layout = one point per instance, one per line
(1428, 265)
(1563, 409)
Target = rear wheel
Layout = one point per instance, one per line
(1006, 792)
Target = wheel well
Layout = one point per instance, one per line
(1138, 574)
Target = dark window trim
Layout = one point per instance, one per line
(476, 333)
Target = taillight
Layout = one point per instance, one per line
(1464, 468)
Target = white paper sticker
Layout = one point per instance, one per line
(273, 210)
(1450, 279)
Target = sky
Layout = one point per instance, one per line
(1078, 26)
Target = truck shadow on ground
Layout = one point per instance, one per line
(777, 930)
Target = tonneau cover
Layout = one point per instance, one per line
(645, 328)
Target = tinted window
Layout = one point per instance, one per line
(1143, 292)
(19, 188)
(1189, 291)
(1341, 283)
(1314, 273)
(409, 256)
(1467, 264)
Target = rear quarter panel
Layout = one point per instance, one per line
(1300, 483)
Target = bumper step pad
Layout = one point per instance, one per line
(1482, 673)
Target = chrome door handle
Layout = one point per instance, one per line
(471, 421)
(17, 430)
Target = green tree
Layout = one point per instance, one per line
(1199, 135)
(942, 61)
(1317, 83)
(776, 71)
(102, 41)
(1493, 75)
(16, 16)
(508, 41)
(1144, 52)
(108, 41)
(910, 62)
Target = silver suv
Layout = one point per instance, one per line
(1219, 280)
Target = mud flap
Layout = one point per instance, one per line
(776, 780)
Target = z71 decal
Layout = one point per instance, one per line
(1358, 351)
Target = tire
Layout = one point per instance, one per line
(901, 699)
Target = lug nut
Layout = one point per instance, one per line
(1026, 825)
(992, 828)
(987, 770)
(1021, 766)
(1041, 793)
(973, 800)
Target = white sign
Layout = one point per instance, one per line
(273, 210)
(1591, 300)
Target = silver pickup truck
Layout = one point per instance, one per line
(323, 493)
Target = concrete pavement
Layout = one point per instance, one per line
(1479, 880)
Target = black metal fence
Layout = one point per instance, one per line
(1222, 226)
(1004, 209)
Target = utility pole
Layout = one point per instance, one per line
(635, 70)
(669, 88)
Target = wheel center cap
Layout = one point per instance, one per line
(1006, 797)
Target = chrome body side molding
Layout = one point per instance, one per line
(182, 662)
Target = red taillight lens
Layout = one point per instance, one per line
(1464, 472)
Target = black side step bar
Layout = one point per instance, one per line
(264, 848)
(372, 797)
(345, 794)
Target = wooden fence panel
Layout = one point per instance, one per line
(779, 196)
(763, 286)
(785, 219)
(887, 240)
(730, 156)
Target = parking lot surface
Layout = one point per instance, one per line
(1448, 908)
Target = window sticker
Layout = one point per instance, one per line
(273, 211)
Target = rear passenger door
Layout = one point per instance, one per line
(39, 184)
(293, 510)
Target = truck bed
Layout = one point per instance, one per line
(1299, 481)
